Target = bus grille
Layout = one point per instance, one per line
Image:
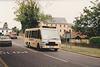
(52, 44)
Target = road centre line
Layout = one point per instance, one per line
(55, 58)
(25, 48)
(3, 63)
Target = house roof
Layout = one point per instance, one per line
(56, 20)
(70, 24)
(5, 29)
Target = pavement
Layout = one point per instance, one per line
(20, 56)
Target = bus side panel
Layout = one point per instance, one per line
(33, 42)
(39, 41)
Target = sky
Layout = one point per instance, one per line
(69, 9)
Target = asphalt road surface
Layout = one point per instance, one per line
(20, 56)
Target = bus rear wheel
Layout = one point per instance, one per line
(28, 45)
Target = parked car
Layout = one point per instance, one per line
(13, 35)
(5, 40)
(7, 34)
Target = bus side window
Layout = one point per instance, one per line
(35, 34)
(39, 34)
(32, 34)
(27, 33)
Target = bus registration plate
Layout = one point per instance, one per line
(51, 46)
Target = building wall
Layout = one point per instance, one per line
(5, 31)
(75, 34)
(60, 27)
(82, 40)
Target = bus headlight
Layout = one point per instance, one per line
(43, 43)
(59, 44)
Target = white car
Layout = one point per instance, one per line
(5, 40)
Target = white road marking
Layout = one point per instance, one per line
(25, 47)
(7, 52)
(55, 58)
(13, 52)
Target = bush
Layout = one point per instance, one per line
(63, 39)
(0, 33)
(94, 40)
(83, 42)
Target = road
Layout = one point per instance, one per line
(20, 56)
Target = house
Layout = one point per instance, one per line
(5, 30)
(77, 38)
(60, 23)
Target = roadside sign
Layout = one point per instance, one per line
(68, 35)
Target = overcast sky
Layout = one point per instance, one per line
(57, 8)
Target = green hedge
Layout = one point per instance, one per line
(94, 40)
(63, 39)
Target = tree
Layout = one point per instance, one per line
(15, 29)
(5, 25)
(29, 14)
(44, 17)
(89, 22)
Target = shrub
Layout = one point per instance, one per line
(0, 33)
(63, 39)
(94, 40)
(83, 42)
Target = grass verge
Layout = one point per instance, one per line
(86, 52)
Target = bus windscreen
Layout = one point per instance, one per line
(50, 34)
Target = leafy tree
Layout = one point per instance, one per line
(44, 17)
(29, 14)
(15, 29)
(89, 22)
(5, 25)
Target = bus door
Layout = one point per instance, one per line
(36, 37)
(33, 38)
(39, 41)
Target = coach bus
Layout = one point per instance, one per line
(42, 38)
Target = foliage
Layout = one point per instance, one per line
(63, 39)
(5, 25)
(0, 33)
(83, 42)
(29, 14)
(44, 17)
(95, 40)
(89, 22)
(15, 29)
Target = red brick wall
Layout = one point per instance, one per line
(75, 34)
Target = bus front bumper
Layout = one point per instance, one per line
(51, 47)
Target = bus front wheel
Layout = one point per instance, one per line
(38, 47)
(56, 50)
